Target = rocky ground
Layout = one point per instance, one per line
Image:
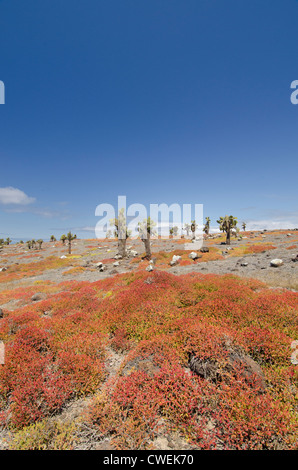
(16, 261)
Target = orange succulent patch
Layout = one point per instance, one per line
(251, 249)
(56, 350)
(75, 270)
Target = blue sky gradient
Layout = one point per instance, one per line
(181, 101)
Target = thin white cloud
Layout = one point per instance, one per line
(271, 225)
(275, 220)
(43, 212)
(85, 229)
(10, 195)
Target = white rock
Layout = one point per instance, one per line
(276, 262)
(149, 268)
(116, 264)
(62, 257)
(134, 253)
(193, 255)
(175, 260)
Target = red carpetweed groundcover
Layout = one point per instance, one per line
(57, 349)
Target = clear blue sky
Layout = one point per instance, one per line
(184, 101)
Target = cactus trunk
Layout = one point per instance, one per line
(122, 247)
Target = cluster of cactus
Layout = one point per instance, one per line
(63, 239)
(190, 228)
(5, 242)
(34, 244)
(226, 224)
(187, 229)
(174, 231)
(207, 226)
(146, 229)
(121, 232)
(69, 237)
(193, 226)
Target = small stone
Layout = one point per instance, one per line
(244, 264)
(1, 313)
(276, 262)
(149, 268)
(193, 255)
(116, 264)
(204, 249)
